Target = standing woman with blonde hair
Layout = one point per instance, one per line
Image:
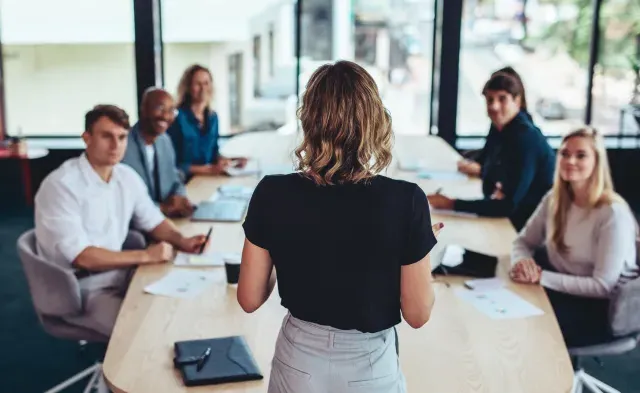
(589, 234)
(195, 131)
(350, 247)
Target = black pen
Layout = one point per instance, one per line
(438, 191)
(202, 360)
(206, 239)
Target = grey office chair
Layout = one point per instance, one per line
(55, 293)
(624, 316)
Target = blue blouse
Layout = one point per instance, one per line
(194, 145)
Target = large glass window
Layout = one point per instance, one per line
(63, 57)
(546, 42)
(248, 46)
(616, 84)
(391, 39)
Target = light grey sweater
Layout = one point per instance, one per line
(602, 248)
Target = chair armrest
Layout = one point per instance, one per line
(135, 241)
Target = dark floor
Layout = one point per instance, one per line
(31, 361)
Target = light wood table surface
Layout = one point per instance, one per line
(460, 350)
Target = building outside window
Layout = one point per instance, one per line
(547, 43)
(232, 40)
(59, 64)
(616, 84)
(392, 40)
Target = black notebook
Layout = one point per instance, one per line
(474, 264)
(230, 360)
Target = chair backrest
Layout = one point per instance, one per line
(55, 291)
(624, 312)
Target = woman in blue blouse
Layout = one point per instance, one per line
(194, 132)
(516, 164)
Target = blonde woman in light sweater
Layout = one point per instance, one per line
(580, 242)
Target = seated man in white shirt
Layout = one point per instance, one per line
(83, 213)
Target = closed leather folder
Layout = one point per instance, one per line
(474, 264)
(230, 360)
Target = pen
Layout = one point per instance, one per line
(203, 359)
(439, 190)
(206, 239)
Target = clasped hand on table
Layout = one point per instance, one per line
(526, 271)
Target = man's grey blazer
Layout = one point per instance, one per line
(169, 179)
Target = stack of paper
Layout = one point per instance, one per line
(182, 284)
(236, 191)
(499, 303)
(206, 259)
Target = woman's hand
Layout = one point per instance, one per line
(437, 228)
(239, 162)
(526, 271)
(497, 192)
(469, 167)
(439, 201)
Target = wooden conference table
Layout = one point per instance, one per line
(459, 350)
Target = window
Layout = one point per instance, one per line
(616, 84)
(232, 40)
(547, 43)
(271, 50)
(59, 64)
(257, 65)
(235, 89)
(392, 40)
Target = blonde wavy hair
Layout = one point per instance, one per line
(184, 96)
(347, 130)
(600, 186)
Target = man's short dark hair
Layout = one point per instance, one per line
(112, 112)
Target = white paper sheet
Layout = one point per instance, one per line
(453, 255)
(499, 303)
(184, 284)
(411, 165)
(485, 284)
(205, 259)
(442, 175)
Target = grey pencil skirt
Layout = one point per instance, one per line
(311, 358)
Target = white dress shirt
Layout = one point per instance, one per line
(151, 155)
(76, 209)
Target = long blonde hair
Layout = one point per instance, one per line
(347, 130)
(184, 96)
(600, 186)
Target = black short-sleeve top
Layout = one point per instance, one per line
(338, 249)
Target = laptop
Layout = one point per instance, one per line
(223, 209)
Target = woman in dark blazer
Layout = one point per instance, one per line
(516, 164)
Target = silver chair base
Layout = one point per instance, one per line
(582, 380)
(96, 381)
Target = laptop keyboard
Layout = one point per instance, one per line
(222, 209)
